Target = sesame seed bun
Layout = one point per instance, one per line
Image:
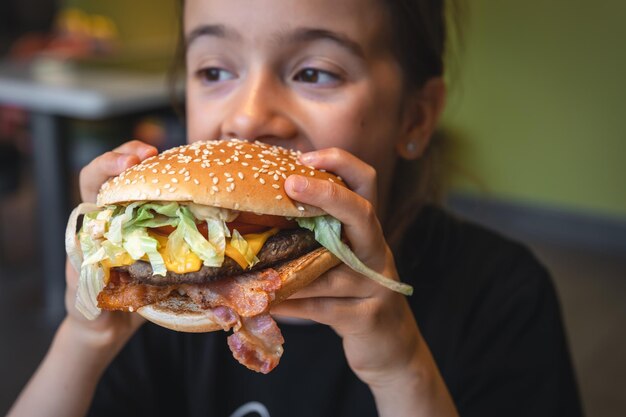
(179, 313)
(232, 174)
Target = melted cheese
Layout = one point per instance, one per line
(191, 262)
(255, 242)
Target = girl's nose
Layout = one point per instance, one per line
(259, 111)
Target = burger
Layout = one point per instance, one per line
(203, 237)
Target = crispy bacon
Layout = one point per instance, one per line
(122, 294)
(248, 294)
(239, 303)
(258, 344)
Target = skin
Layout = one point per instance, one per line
(297, 75)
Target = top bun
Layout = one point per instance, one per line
(233, 174)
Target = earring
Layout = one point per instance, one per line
(411, 147)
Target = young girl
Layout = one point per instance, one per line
(356, 85)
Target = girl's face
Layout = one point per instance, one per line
(306, 74)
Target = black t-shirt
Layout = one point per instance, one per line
(484, 304)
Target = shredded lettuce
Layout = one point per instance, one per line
(90, 284)
(327, 231)
(241, 245)
(117, 223)
(138, 243)
(210, 255)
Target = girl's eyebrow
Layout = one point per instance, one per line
(298, 35)
(312, 34)
(219, 31)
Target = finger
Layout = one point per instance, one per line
(336, 312)
(338, 282)
(135, 147)
(359, 176)
(105, 166)
(357, 214)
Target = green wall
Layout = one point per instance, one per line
(539, 106)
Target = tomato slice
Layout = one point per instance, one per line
(164, 230)
(244, 223)
(266, 220)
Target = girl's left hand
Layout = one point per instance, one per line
(380, 336)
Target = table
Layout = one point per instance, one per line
(55, 91)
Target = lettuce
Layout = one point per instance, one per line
(241, 245)
(327, 231)
(138, 243)
(115, 228)
(188, 232)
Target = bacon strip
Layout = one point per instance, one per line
(239, 303)
(248, 294)
(258, 344)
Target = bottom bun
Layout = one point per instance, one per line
(179, 313)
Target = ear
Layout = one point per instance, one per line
(422, 112)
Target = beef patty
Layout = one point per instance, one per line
(283, 246)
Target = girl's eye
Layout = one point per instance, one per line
(316, 76)
(213, 75)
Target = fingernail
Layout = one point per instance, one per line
(299, 183)
(307, 158)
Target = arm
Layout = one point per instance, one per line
(381, 339)
(65, 382)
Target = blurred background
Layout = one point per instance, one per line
(533, 138)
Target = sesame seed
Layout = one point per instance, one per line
(279, 197)
(300, 208)
(256, 175)
(275, 177)
(226, 174)
(127, 181)
(248, 156)
(229, 179)
(155, 181)
(174, 180)
(240, 175)
(155, 170)
(245, 164)
(214, 188)
(211, 174)
(330, 179)
(339, 178)
(261, 180)
(215, 180)
(172, 189)
(276, 186)
(311, 173)
(187, 179)
(166, 186)
(196, 181)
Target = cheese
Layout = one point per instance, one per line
(255, 242)
(191, 262)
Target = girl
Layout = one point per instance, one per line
(356, 85)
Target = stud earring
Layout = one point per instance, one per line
(411, 147)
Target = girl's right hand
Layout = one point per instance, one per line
(110, 330)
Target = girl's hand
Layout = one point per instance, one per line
(110, 330)
(381, 339)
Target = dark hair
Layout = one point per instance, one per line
(419, 30)
(420, 35)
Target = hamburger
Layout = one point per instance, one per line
(203, 237)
